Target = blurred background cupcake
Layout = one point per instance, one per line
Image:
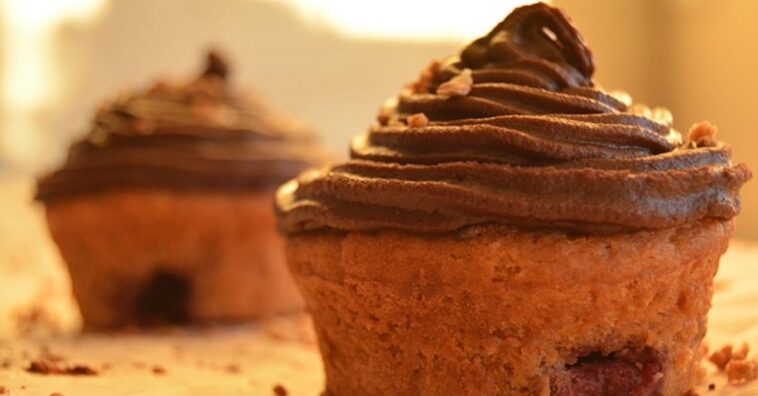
(163, 211)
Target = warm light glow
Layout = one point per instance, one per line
(408, 19)
(29, 75)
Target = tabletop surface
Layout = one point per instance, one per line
(38, 323)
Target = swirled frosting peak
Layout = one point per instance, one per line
(514, 131)
(198, 134)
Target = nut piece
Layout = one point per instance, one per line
(663, 115)
(703, 134)
(426, 78)
(739, 371)
(417, 120)
(459, 85)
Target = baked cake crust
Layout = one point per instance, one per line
(495, 310)
(154, 256)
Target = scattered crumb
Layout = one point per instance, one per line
(703, 134)
(37, 317)
(47, 367)
(727, 353)
(233, 368)
(742, 353)
(417, 120)
(48, 364)
(158, 370)
(280, 390)
(459, 85)
(739, 371)
(711, 387)
(721, 357)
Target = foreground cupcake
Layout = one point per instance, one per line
(509, 228)
(163, 212)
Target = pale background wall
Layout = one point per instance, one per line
(699, 58)
(696, 57)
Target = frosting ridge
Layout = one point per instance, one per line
(199, 134)
(513, 130)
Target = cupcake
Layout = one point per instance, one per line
(509, 228)
(163, 212)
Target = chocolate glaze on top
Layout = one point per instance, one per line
(533, 143)
(197, 135)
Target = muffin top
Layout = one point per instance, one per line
(513, 130)
(194, 135)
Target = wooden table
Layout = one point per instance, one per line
(38, 318)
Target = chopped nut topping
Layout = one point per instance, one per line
(395, 121)
(622, 96)
(459, 85)
(98, 137)
(703, 134)
(216, 65)
(417, 120)
(142, 126)
(663, 115)
(641, 110)
(426, 78)
(160, 86)
(383, 118)
(739, 371)
(387, 112)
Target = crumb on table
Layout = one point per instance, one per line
(280, 390)
(723, 356)
(48, 367)
(739, 371)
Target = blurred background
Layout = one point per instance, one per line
(331, 63)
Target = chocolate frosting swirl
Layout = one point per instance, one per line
(514, 131)
(194, 135)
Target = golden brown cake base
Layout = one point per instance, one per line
(499, 311)
(155, 257)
